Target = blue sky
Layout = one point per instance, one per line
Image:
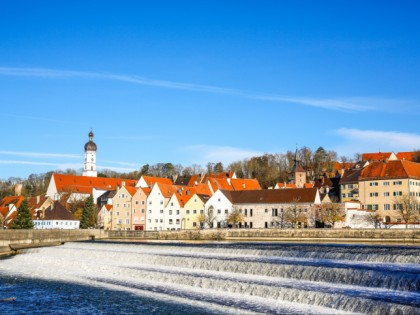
(197, 81)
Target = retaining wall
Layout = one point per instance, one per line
(23, 237)
(308, 235)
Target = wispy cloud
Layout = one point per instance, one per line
(340, 104)
(42, 155)
(358, 140)
(203, 153)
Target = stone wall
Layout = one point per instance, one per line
(302, 235)
(8, 237)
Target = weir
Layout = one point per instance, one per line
(222, 278)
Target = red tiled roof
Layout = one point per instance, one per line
(343, 166)
(146, 190)
(153, 180)
(308, 185)
(34, 203)
(85, 184)
(245, 184)
(379, 156)
(131, 190)
(108, 207)
(405, 156)
(219, 183)
(16, 200)
(285, 185)
(391, 169)
(4, 211)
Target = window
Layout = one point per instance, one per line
(226, 211)
(386, 183)
(397, 193)
(397, 206)
(386, 194)
(150, 202)
(137, 202)
(350, 195)
(374, 194)
(350, 186)
(161, 211)
(170, 221)
(161, 220)
(161, 202)
(177, 211)
(201, 211)
(342, 195)
(118, 213)
(170, 212)
(397, 183)
(142, 202)
(172, 204)
(219, 211)
(250, 214)
(177, 221)
(156, 220)
(127, 221)
(387, 206)
(266, 211)
(246, 212)
(127, 214)
(218, 200)
(194, 211)
(142, 210)
(194, 224)
(373, 184)
(187, 211)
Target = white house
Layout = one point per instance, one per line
(220, 207)
(157, 201)
(56, 217)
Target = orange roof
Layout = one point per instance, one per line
(16, 200)
(219, 183)
(34, 203)
(245, 184)
(391, 169)
(202, 189)
(343, 166)
(4, 211)
(379, 156)
(85, 184)
(285, 185)
(308, 185)
(168, 190)
(146, 190)
(405, 156)
(131, 190)
(108, 207)
(153, 180)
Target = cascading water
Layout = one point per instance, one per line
(216, 278)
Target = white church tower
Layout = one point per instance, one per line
(89, 168)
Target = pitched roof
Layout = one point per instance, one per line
(146, 190)
(245, 184)
(85, 184)
(350, 176)
(391, 169)
(190, 180)
(168, 190)
(285, 185)
(153, 180)
(37, 202)
(405, 155)
(15, 200)
(131, 190)
(377, 156)
(298, 195)
(343, 166)
(108, 207)
(219, 183)
(58, 212)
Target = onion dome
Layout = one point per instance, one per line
(90, 146)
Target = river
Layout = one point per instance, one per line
(211, 278)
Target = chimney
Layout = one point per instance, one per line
(123, 183)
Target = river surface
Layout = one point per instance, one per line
(211, 278)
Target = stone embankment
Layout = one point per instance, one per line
(12, 241)
(283, 235)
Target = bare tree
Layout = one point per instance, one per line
(374, 219)
(331, 212)
(207, 218)
(295, 214)
(235, 217)
(407, 207)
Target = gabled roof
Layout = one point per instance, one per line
(190, 180)
(168, 190)
(343, 166)
(377, 156)
(37, 202)
(15, 200)
(298, 195)
(405, 155)
(391, 169)
(219, 183)
(146, 190)
(58, 212)
(153, 180)
(85, 184)
(245, 184)
(350, 176)
(131, 190)
(108, 207)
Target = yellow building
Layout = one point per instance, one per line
(381, 184)
(122, 212)
(193, 209)
(349, 185)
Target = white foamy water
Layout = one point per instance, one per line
(232, 278)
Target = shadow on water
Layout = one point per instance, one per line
(50, 297)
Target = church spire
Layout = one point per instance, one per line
(89, 168)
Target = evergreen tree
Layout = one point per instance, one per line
(23, 218)
(87, 214)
